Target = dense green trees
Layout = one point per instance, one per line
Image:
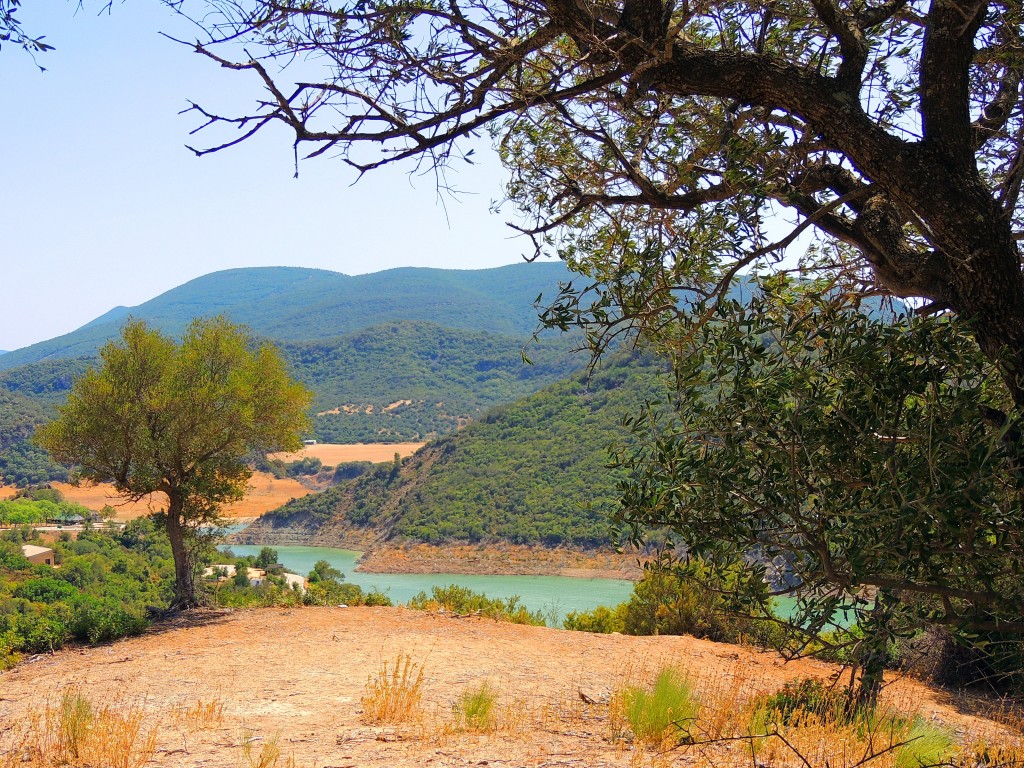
(531, 472)
(178, 419)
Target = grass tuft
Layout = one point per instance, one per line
(76, 733)
(394, 695)
(476, 709)
(201, 716)
(661, 716)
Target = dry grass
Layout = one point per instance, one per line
(76, 733)
(267, 756)
(200, 716)
(395, 694)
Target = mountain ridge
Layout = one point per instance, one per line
(303, 304)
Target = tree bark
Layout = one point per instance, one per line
(184, 580)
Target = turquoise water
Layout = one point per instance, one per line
(554, 596)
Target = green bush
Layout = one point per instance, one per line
(475, 708)
(807, 696)
(101, 620)
(462, 600)
(46, 590)
(663, 713)
(602, 620)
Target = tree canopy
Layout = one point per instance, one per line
(652, 142)
(158, 416)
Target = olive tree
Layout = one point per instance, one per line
(176, 419)
(657, 138)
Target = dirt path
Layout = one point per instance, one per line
(301, 673)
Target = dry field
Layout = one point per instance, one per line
(7, 491)
(265, 493)
(313, 688)
(333, 454)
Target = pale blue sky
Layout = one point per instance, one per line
(102, 205)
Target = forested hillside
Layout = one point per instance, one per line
(295, 304)
(531, 472)
(414, 381)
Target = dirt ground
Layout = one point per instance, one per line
(265, 493)
(298, 676)
(333, 454)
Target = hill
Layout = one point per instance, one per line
(395, 382)
(531, 472)
(405, 381)
(297, 304)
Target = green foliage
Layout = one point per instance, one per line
(475, 708)
(101, 620)
(107, 583)
(464, 601)
(532, 472)
(685, 599)
(179, 418)
(404, 381)
(267, 556)
(662, 713)
(844, 454)
(602, 620)
(24, 464)
(21, 510)
(810, 695)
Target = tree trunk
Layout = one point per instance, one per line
(184, 581)
(872, 653)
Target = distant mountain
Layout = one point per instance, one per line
(530, 472)
(297, 304)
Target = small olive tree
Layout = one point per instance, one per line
(161, 417)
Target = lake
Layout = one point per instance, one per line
(554, 596)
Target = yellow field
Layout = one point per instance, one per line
(333, 454)
(265, 493)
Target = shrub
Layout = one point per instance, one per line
(394, 695)
(602, 620)
(462, 600)
(46, 590)
(100, 621)
(661, 715)
(807, 696)
(475, 708)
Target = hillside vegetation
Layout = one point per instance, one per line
(402, 355)
(531, 472)
(296, 304)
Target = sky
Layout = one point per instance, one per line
(102, 205)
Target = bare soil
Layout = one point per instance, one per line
(333, 454)
(299, 675)
(265, 493)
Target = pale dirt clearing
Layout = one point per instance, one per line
(333, 454)
(300, 674)
(265, 493)
(7, 491)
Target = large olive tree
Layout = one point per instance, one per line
(657, 135)
(666, 148)
(176, 419)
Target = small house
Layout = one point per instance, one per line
(38, 555)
